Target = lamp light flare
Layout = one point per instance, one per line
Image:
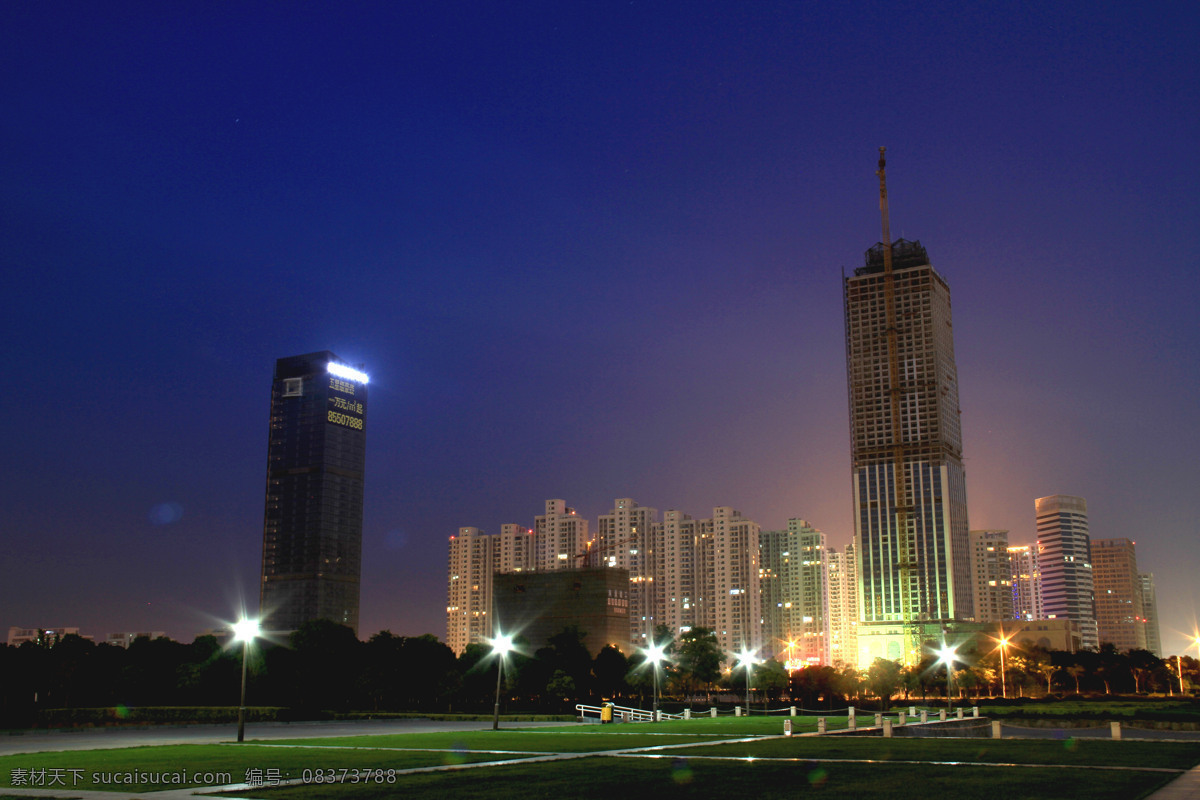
(502, 645)
(746, 659)
(245, 630)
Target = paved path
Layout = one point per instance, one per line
(1185, 787)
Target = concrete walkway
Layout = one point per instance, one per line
(1185, 787)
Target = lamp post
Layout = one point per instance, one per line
(747, 660)
(946, 656)
(246, 630)
(655, 654)
(1003, 679)
(501, 645)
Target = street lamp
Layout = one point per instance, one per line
(746, 659)
(501, 645)
(946, 656)
(1003, 683)
(654, 654)
(246, 630)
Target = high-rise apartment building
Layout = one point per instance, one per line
(625, 540)
(794, 580)
(515, 549)
(560, 538)
(475, 559)
(675, 540)
(697, 573)
(727, 567)
(469, 590)
(1150, 610)
(1118, 590)
(312, 530)
(1065, 563)
(843, 608)
(909, 485)
(991, 576)
(1026, 583)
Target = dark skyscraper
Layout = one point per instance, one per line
(312, 530)
(910, 497)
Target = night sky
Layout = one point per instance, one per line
(585, 250)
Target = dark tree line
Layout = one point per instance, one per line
(324, 668)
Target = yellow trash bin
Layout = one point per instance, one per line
(606, 713)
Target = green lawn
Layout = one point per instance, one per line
(234, 760)
(1165, 755)
(542, 740)
(722, 780)
(696, 771)
(618, 735)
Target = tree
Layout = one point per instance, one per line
(608, 671)
(926, 674)
(427, 670)
(883, 680)
(699, 659)
(151, 672)
(1045, 667)
(568, 654)
(1075, 671)
(561, 686)
(771, 679)
(812, 685)
(1142, 665)
(850, 682)
(1113, 667)
(326, 667)
(477, 668)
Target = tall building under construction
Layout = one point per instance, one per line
(909, 486)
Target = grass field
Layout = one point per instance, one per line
(200, 765)
(721, 780)
(688, 758)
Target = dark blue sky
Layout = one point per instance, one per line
(585, 251)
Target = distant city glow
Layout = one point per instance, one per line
(350, 374)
